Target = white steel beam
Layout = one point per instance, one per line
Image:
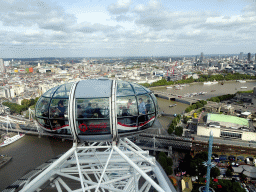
(115, 168)
(44, 176)
(146, 177)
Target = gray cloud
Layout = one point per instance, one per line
(91, 28)
(28, 13)
(123, 18)
(120, 7)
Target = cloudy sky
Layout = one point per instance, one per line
(92, 28)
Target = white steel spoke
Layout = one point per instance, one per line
(58, 186)
(100, 167)
(102, 174)
(64, 184)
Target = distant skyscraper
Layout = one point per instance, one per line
(241, 56)
(249, 56)
(202, 56)
(2, 67)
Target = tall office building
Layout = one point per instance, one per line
(249, 57)
(2, 67)
(202, 56)
(241, 56)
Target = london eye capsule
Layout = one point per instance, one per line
(96, 109)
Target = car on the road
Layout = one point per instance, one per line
(223, 158)
(232, 158)
(250, 158)
(235, 164)
(240, 158)
(214, 156)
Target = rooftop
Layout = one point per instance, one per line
(227, 119)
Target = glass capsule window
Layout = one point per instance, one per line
(52, 110)
(43, 107)
(139, 89)
(126, 106)
(135, 108)
(92, 116)
(63, 91)
(124, 89)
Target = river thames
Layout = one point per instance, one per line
(31, 151)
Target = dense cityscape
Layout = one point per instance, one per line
(185, 114)
(19, 75)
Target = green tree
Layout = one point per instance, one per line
(171, 128)
(229, 186)
(162, 154)
(163, 162)
(185, 119)
(242, 177)
(199, 105)
(32, 102)
(169, 161)
(229, 173)
(203, 156)
(178, 131)
(169, 170)
(215, 172)
(25, 102)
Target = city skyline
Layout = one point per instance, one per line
(125, 28)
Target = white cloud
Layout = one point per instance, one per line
(138, 29)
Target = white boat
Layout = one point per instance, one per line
(211, 82)
(172, 105)
(208, 83)
(8, 140)
(202, 93)
(241, 81)
(243, 87)
(168, 87)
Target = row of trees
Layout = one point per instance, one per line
(165, 162)
(172, 128)
(202, 78)
(224, 77)
(25, 104)
(163, 82)
(222, 98)
(197, 105)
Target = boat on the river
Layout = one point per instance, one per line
(213, 90)
(241, 81)
(172, 105)
(168, 87)
(202, 93)
(243, 87)
(207, 83)
(4, 159)
(10, 139)
(211, 82)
